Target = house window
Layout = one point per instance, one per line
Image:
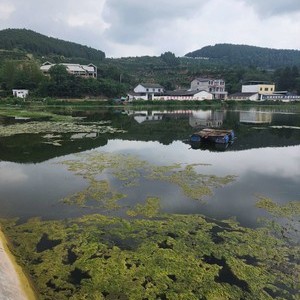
(153, 90)
(159, 90)
(266, 89)
(261, 89)
(147, 90)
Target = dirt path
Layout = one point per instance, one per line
(13, 282)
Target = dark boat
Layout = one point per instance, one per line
(216, 136)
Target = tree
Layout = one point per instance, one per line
(169, 58)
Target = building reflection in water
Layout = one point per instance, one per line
(154, 116)
(206, 118)
(255, 117)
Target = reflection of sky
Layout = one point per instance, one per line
(282, 162)
(271, 172)
(11, 173)
(35, 189)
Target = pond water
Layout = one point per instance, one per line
(264, 158)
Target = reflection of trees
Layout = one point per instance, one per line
(170, 129)
(32, 148)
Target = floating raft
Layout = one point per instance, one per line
(217, 136)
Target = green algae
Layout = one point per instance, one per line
(100, 192)
(168, 257)
(149, 210)
(131, 172)
(35, 127)
(290, 209)
(148, 254)
(283, 220)
(20, 113)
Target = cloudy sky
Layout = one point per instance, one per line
(151, 27)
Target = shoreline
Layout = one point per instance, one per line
(14, 284)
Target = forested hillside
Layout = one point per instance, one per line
(23, 51)
(244, 55)
(28, 41)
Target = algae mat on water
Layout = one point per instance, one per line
(148, 254)
(170, 257)
(131, 172)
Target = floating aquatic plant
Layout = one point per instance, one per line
(56, 127)
(168, 257)
(131, 172)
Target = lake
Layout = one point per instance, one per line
(118, 204)
(264, 157)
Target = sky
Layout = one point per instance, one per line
(123, 28)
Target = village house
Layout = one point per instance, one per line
(20, 93)
(146, 91)
(85, 71)
(244, 96)
(261, 90)
(185, 95)
(260, 87)
(214, 86)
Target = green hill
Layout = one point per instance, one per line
(27, 41)
(244, 55)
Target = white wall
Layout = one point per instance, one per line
(20, 93)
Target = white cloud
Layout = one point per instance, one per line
(135, 28)
(275, 7)
(11, 174)
(6, 9)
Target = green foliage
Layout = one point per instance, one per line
(244, 55)
(169, 58)
(20, 75)
(236, 64)
(288, 79)
(41, 45)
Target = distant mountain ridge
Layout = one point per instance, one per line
(40, 45)
(248, 55)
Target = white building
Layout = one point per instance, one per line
(20, 93)
(184, 95)
(214, 86)
(146, 91)
(86, 71)
(157, 92)
(244, 96)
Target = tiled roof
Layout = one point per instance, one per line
(182, 93)
(151, 85)
(242, 94)
(70, 67)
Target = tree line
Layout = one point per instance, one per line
(115, 80)
(244, 55)
(60, 83)
(40, 45)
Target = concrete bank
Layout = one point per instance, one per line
(14, 284)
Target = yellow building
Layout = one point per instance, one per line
(261, 87)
